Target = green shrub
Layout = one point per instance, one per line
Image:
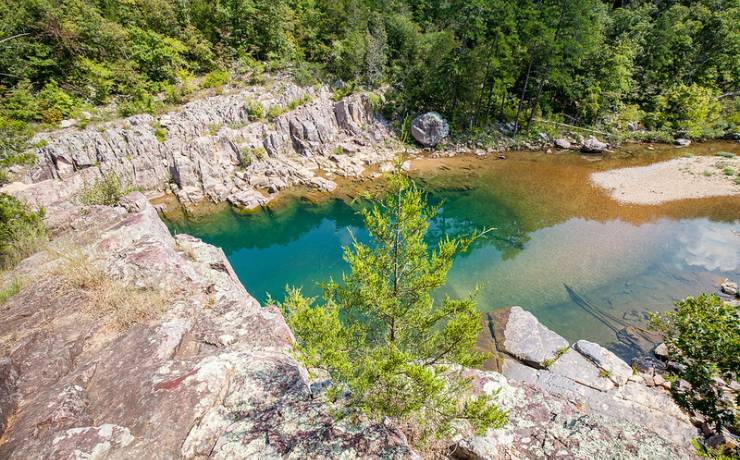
(22, 231)
(139, 102)
(375, 101)
(215, 78)
(159, 132)
(295, 103)
(14, 287)
(107, 191)
(20, 103)
(275, 111)
(255, 110)
(55, 104)
(245, 156)
(259, 152)
(701, 334)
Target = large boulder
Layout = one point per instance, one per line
(429, 129)
(519, 334)
(593, 145)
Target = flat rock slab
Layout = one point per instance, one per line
(576, 367)
(519, 334)
(619, 372)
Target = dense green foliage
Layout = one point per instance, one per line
(380, 335)
(703, 335)
(21, 230)
(667, 64)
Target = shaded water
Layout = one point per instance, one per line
(553, 229)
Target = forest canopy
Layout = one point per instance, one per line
(663, 65)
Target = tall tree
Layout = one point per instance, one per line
(379, 333)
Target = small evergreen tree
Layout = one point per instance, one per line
(379, 333)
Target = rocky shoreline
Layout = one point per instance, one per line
(210, 373)
(74, 386)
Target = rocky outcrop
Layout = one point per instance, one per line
(543, 424)
(593, 145)
(212, 149)
(429, 129)
(597, 382)
(519, 334)
(212, 377)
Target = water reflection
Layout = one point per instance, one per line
(557, 240)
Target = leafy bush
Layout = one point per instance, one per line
(159, 132)
(255, 110)
(380, 335)
(14, 136)
(245, 157)
(106, 191)
(275, 111)
(22, 230)
(295, 103)
(14, 287)
(20, 103)
(702, 335)
(215, 78)
(55, 104)
(139, 102)
(259, 152)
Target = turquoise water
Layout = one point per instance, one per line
(558, 242)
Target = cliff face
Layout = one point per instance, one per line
(212, 149)
(210, 376)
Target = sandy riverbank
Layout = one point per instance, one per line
(677, 179)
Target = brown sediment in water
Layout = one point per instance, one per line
(556, 185)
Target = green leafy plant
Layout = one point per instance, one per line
(107, 191)
(22, 231)
(604, 374)
(255, 110)
(379, 333)
(159, 132)
(13, 287)
(215, 78)
(275, 111)
(701, 334)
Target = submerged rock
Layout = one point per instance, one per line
(429, 129)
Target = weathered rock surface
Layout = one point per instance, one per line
(593, 145)
(599, 386)
(563, 143)
(618, 371)
(576, 367)
(543, 424)
(201, 156)
(213, 377)
(429, 129)
(248, 199)
(519, 334)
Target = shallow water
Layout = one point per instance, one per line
(553, 229)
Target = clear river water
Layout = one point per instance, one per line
(561, 247)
